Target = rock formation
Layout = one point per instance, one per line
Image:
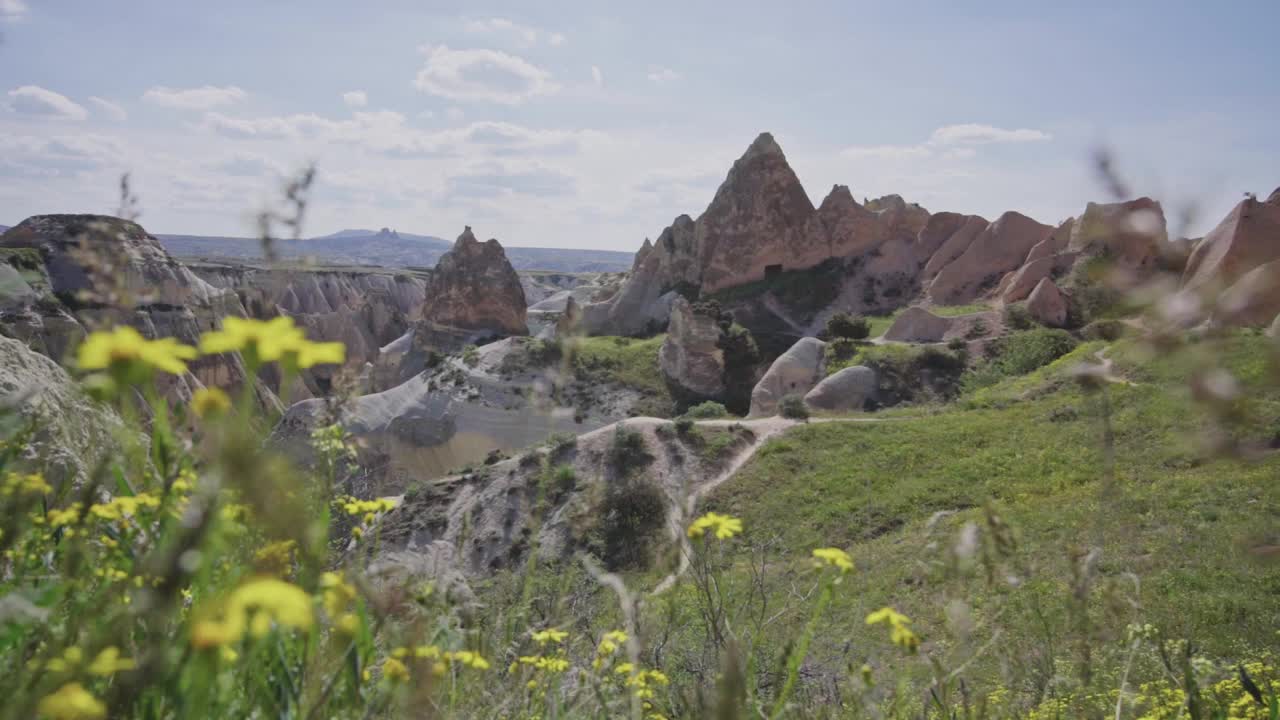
(1047, 305)
(73, 434)
(691, 357)
(1247, 237)
(1001, 247)
(104, 271)
(474, 295)
(918, 325)
(844, 390)
(795, 372)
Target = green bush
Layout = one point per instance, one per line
(631, 516)
(563, 479)
(793, 408)
(1022, 352)
(683, 425)
(844, 325)
(1017, 317)
(627, 450)
(709, 410)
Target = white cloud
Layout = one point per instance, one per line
(974, 134)
(482, 75)
(455, 114)
(355, 98)
(597, 76)
(113, 110)
(201, 98)
(523, 35)
(58, 155)
(952, 142)
(35, 100)
(662, 75)
(12, 10)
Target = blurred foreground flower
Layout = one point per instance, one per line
(123, 349)
(724, 526)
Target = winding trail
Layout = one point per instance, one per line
(764, 429)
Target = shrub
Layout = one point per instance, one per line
(632, 515)
(471, 356)
(563, 479)
(561, 441)
(627, 450)
(741, 355)
(1017, 317)
(709, 410)
(793, 408)
(683, 425)
(1109, 330)
(844, 325)
(1022, 352)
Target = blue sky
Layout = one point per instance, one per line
(594, 124)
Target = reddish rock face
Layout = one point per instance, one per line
(1247, 237)
(758, 219)
(474, 287)
(1131, 233)
(999, 248)
(1047, 304)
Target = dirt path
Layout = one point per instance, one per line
(764, 429)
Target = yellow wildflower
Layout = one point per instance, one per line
(543, 637)
(468, 659)
(31, 484)
(108, 663)
(275, 557)
(210, 402)
(899, 631)
(610, 642)
(394, 670)
(70, 658)
(269, 599)
(309, 354)
(725, 527)
(72, 702)
(266, 340)
(833, 557)
(65, 516)
(125, 347)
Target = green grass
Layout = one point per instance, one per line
(1175, 534)
(628, 361)
(881, 323)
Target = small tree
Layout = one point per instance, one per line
(844, 325)
(793, 407)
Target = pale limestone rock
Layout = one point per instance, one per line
(691, 357)
(795, 372)
(998, 249)
(1047, 304)
(847, 389)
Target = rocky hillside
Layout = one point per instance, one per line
(781, 266)
(69, 274)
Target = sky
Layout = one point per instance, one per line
(594, 124)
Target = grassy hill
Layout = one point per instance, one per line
(1024, 546)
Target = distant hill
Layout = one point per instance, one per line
(389, 248)
(3, 228)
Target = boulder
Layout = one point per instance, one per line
(999, 248)
(1273, 331)
(691, 357)
(795, 372)
(1047, 304)
(847, 389)
(918, 325)
(73, 434)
